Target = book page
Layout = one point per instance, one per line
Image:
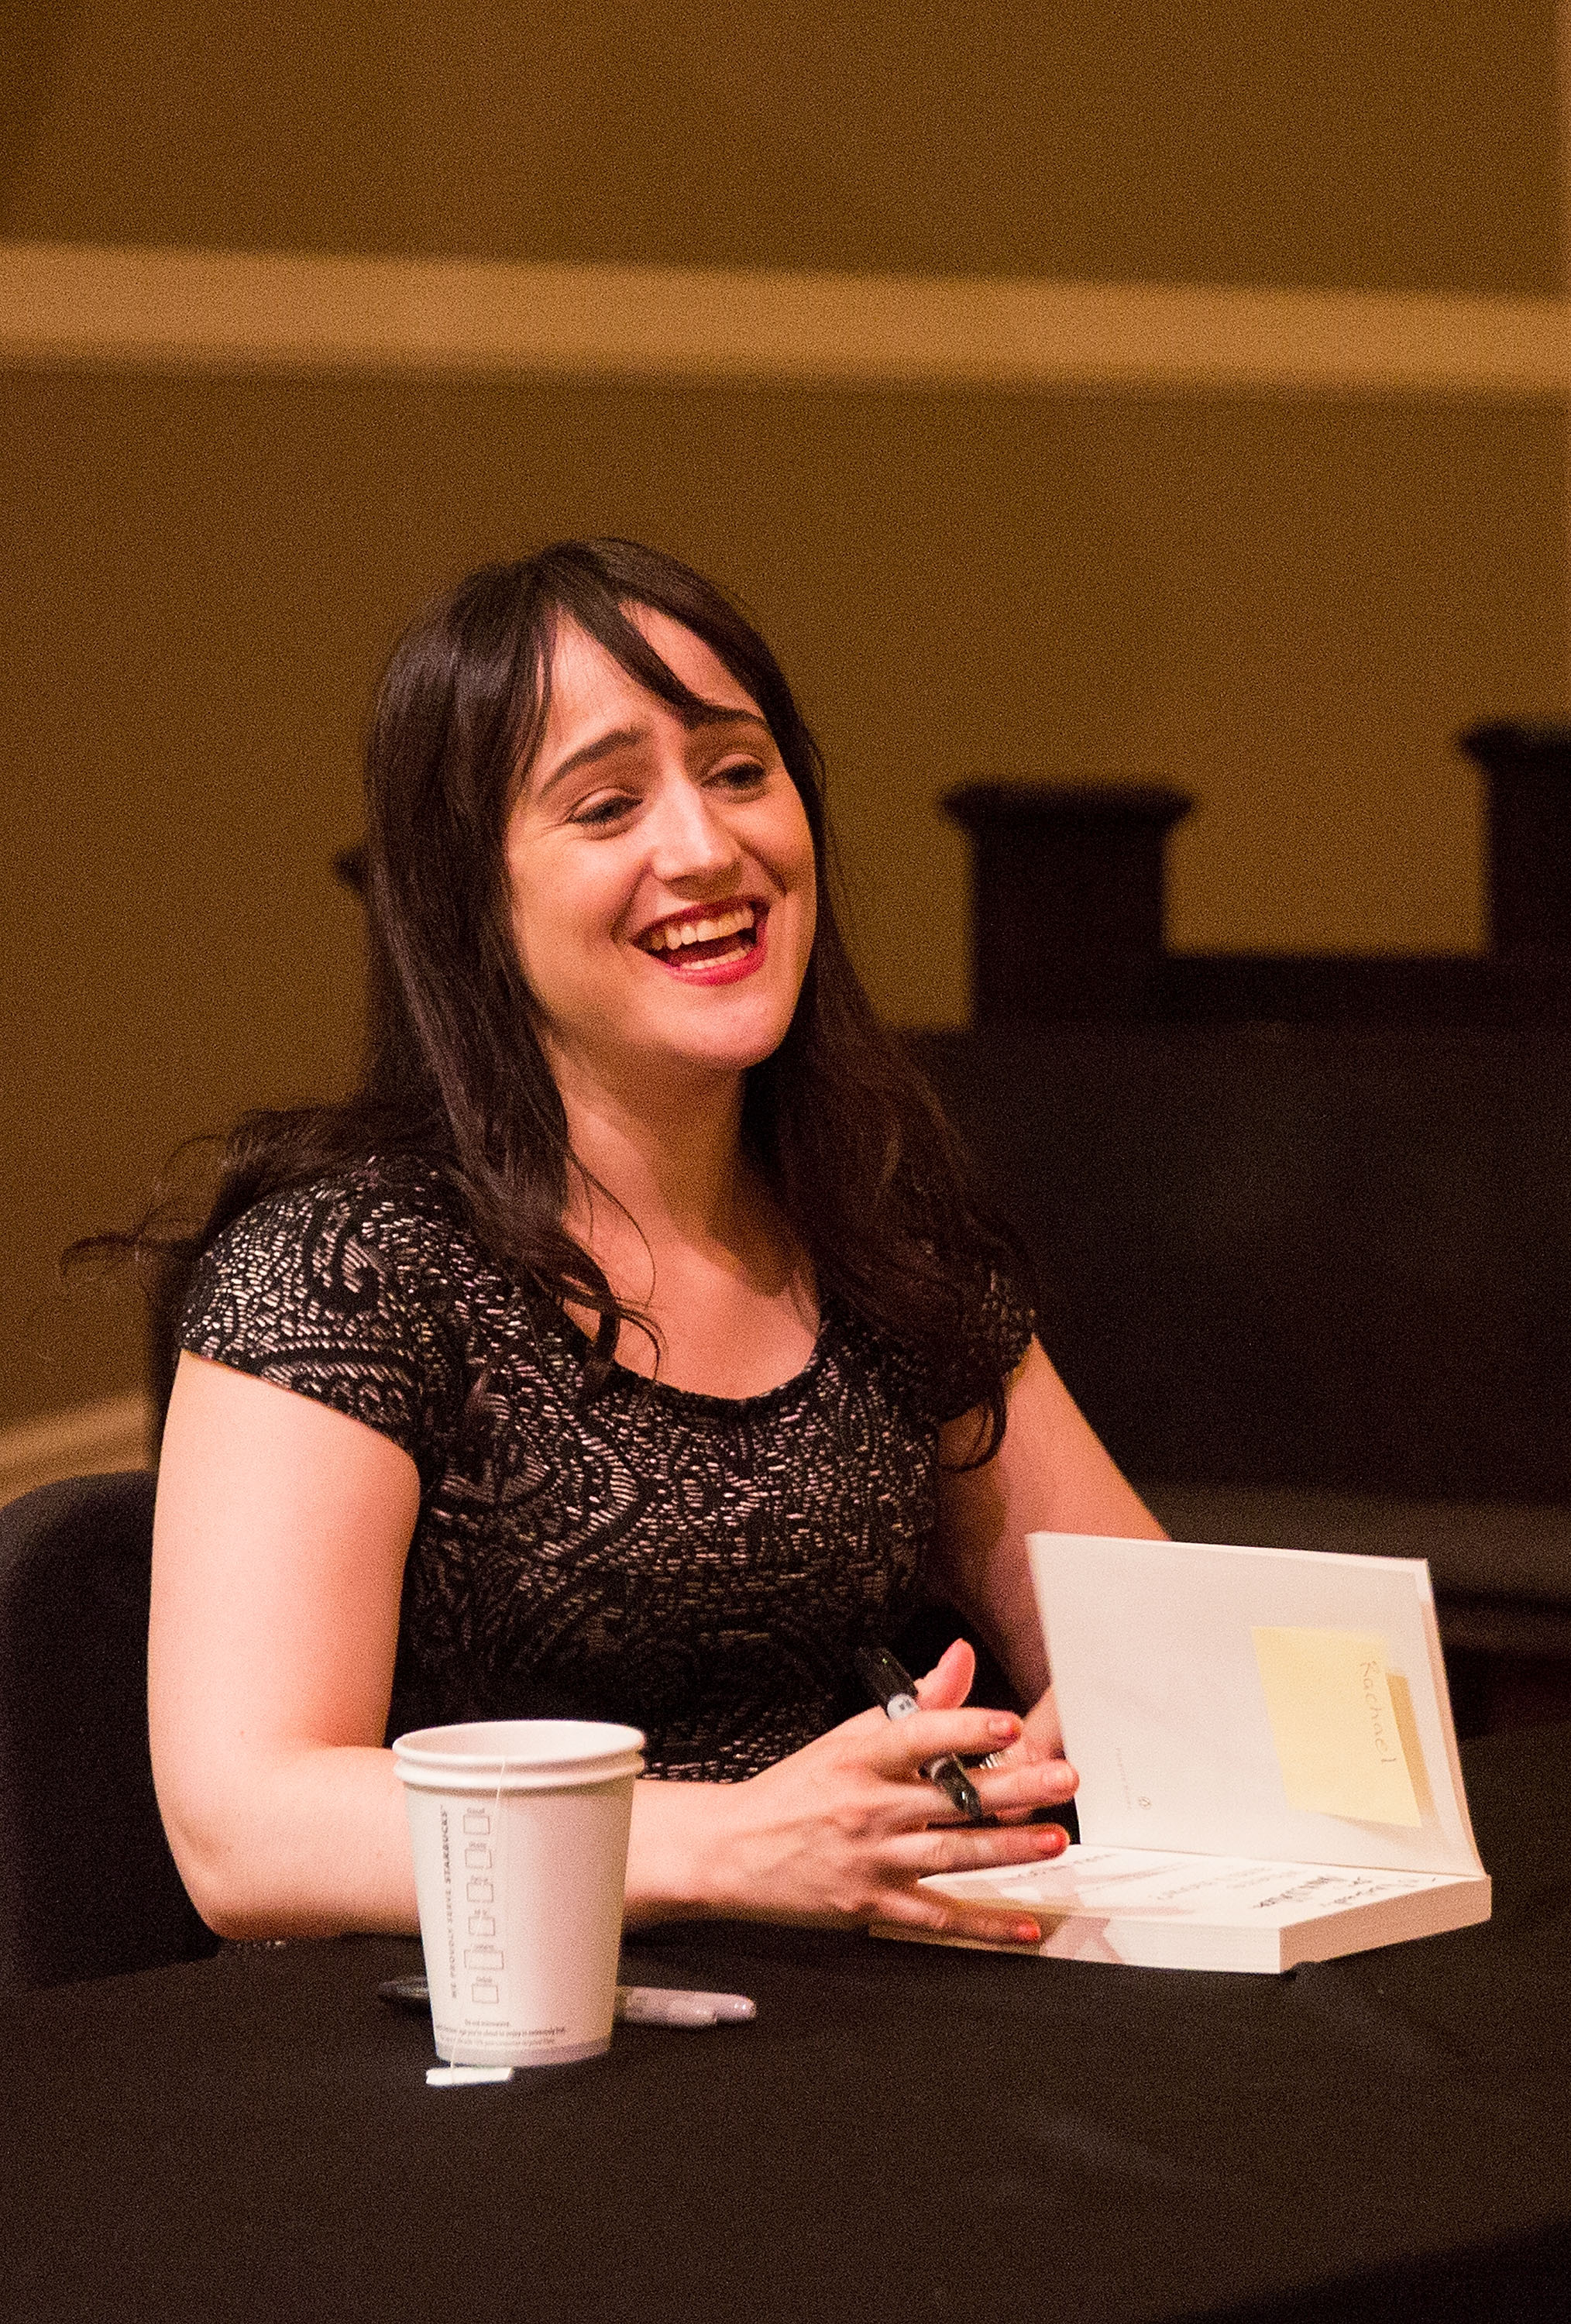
(1218, 1891)
(1187, 1741)
(1221, 1893)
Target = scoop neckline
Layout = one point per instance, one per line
(700, 1400)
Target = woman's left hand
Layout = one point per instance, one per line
(1040, 1738)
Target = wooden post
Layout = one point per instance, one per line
(1529, 833)
(1067, 896)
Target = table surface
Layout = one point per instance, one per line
(904, 2130)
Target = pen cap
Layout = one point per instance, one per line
(883, 1678)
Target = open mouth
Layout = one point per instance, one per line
(719, 939)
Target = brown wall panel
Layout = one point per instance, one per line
(1400, 145)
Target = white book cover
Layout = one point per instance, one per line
(1268, 1767)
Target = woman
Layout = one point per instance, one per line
(627, 1346)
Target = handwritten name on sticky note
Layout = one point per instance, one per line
(1329, 1701)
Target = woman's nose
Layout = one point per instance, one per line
(688, 838)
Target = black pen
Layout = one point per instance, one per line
(887, 1684)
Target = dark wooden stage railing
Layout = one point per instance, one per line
(1303, 1226)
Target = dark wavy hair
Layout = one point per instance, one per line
(850, 1139)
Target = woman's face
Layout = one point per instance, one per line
(662, 878)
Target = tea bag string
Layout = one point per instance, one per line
(502, 1917)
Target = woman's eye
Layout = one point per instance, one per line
(742, 775)
(609, 807)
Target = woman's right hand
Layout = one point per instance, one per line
(839, 1833)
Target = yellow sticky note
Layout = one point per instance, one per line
(1334, 1727)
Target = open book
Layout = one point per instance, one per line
(1268, 1767)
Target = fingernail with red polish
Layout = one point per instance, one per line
(1026, 1933)
(1005, 1726)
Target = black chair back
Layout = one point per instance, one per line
(88, 1886)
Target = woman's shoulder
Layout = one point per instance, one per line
(397, 1204)
(341, 1288)
(383, 1235)
(969, 1347)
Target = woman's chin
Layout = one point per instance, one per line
(693, 1034)
(722, 1061)
(716, 1052)
(661, 1064)
(724, 1028)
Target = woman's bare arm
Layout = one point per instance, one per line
(279, 1548)
(1051, 1474)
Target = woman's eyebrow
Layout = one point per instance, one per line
(621, 738)
(604, 746)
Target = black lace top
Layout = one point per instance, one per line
(700, 1567)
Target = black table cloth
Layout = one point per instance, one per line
(903, 2132)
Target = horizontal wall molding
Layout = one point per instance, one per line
(91, 1439)
(271, 313)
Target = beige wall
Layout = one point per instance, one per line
(1409, 144)
(1287, 605)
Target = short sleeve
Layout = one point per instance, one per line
(336, 1291)
(999, 1328)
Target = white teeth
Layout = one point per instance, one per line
(675, 933)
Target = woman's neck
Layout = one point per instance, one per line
(687, 1232)
(669, 1159)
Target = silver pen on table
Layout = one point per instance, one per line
(670, 2005)
(636, 2004)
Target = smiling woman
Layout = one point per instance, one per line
(660, 856)
(628, 1346)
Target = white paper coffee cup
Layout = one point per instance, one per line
(520, 1831)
